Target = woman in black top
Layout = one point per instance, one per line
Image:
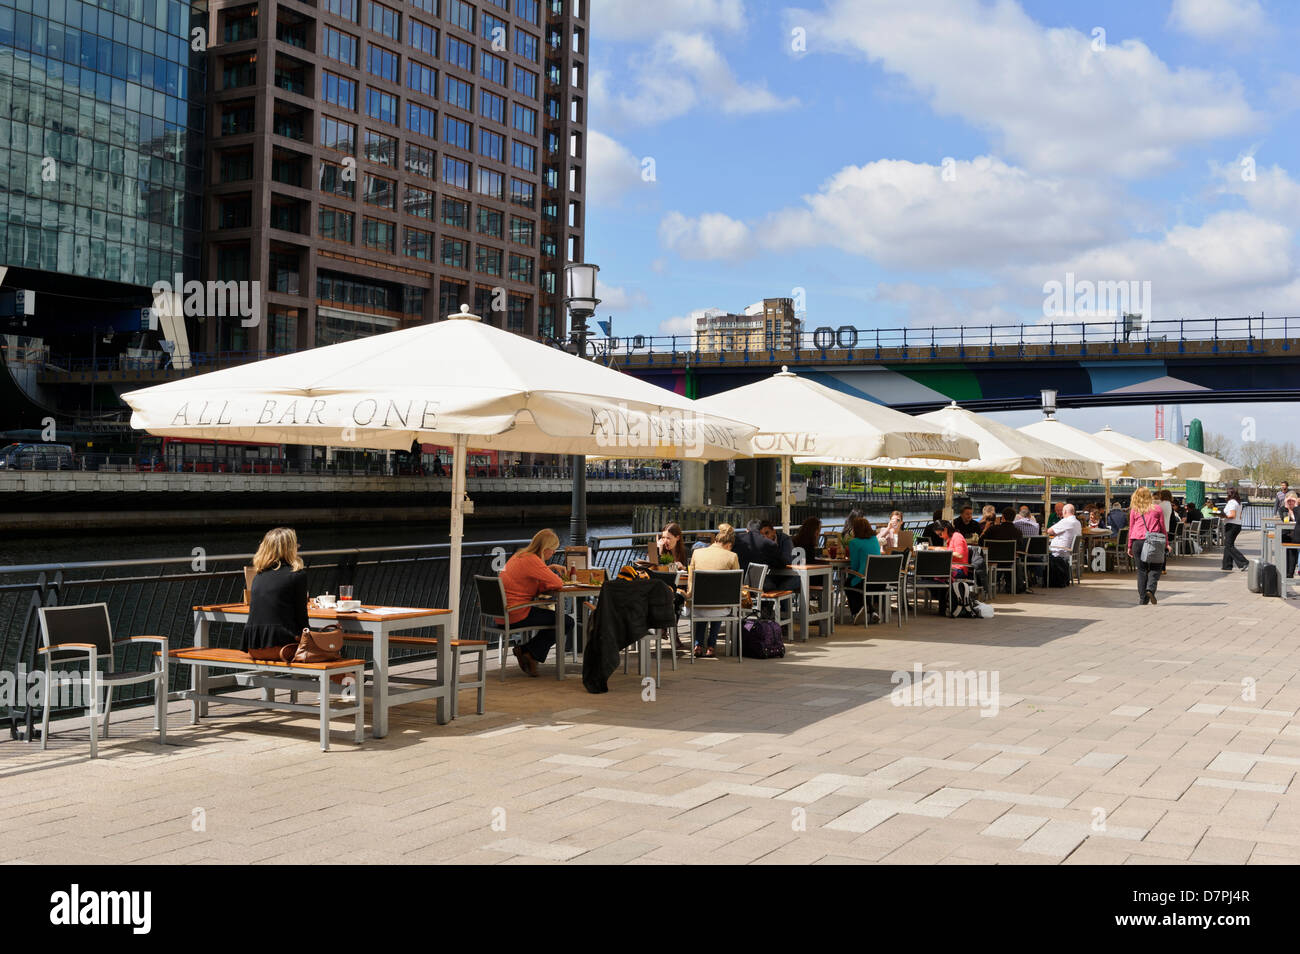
(277, 612)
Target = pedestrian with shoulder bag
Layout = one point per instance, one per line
(1148, 542)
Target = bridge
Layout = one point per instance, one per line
(985, 367)
(1001, 367)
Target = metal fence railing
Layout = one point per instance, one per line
(156, 596)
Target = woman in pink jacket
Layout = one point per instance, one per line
(1145, 517)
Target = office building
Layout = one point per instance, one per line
(766, 325)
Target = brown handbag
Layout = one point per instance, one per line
(319, 645)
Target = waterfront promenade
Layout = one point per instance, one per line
(1122, 735)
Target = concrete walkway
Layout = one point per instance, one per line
(1122, 734)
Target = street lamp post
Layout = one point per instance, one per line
(1049, 410)
(580, 300)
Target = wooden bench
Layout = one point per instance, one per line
(458, 646)
(282, 675)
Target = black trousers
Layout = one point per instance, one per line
(540, 645)
(1148, 576)
(1231, 555)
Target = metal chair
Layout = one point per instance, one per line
(1037, 555)
(1000, 557)
(1022, 547)
(1077, 559)
(882, 578)
(492, 606)
(932, 573)
(781, 601)
(669, 579)
(1123, 559)
(84, 632)
(717, 595)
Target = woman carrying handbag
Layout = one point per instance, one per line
(1148, 542)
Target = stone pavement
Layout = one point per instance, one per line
(1122, 734)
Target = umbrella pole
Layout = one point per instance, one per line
(948, 480)
(457, 532)
(1047, 501)
(1107, 482)
(785, 493)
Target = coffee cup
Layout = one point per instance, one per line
(325, 601)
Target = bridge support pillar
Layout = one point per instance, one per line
(715, 483)
(692, 484)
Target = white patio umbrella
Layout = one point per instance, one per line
(1116, 461)
(1002, 450)
(797, 417)
(457, 382)
(1173, 466)
(1213, 470)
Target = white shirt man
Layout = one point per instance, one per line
(1027, 524)
(1064, 531)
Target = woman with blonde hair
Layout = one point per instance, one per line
(716, 556)
(528, 575)
(277, 611)
(1145, 516)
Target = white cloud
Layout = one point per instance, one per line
(1272, 192)
(633, 19)
(678, 72)
(1217, 19)
(971, 213)
(678, 325)
(1053, 101)
(706, 237)
(612, 170)
(618, 298)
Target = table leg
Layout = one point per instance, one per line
(199, 674)
(828, 600)
(803, 607)
(379, 644)
(444, 678)
(561, 601)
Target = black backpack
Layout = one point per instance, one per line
(961, 600)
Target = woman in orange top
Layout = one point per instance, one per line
(526, 577)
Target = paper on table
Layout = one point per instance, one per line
(388, 610)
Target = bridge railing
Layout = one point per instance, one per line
(1229, 335)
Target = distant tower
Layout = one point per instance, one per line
(1176, 423)
(1160, 421)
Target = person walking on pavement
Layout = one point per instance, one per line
(1232, 557)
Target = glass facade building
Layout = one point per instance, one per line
(101, 124)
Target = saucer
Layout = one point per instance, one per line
(347, 606)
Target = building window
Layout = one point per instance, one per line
(379, 191)
(455, 132)
(385, 20)
(450, 297)
(488, 222)
(421, 120)
(525, 119)
(460, 14)
(455, 173)
(546, 322)
(549, 247)
(453, 252)
(339, 46)
(378, 235)
(491, 106)
(236, 167)
(523, 157)
(521, 268)
(517, 309)
(492, 145)
(455, 213)
(338, 90)
(490, 183)
(381, 149)
(523, 193)
(525, 82)
(527, 10)
(347, 9)
(419, 160)
(381, 106)
(459, 54)
(418, 202)
(381, 62)
(338, 135)
(460, 94)
(335, 180)
(335, 225)
(526, 45)
(548, 282)
(428, 6)
(417, 243)
(422, 36)
(495, 31)
(422, 79)
(492, 68)
(521, 231)
(487, 260)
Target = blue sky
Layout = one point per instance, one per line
(1161, 150)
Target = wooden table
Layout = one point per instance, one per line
(825, 616)
(378, 626)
